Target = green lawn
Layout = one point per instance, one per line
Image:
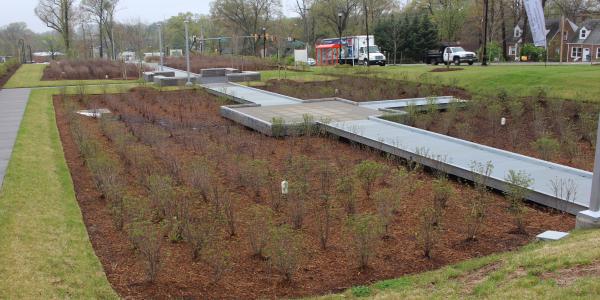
(45, 251)
(31, 76)
(577, 82)
(530, 273)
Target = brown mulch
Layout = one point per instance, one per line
(321, 271)
(437, 70)
(360, 89)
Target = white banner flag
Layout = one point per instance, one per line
(537, 23)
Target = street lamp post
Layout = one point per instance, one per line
(484, 60)
(160, 45)
(340, 32)
(264, 32)
(187, 54)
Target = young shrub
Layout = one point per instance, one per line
(367, 172)
(365, 231)
(386, 203)
(296, 207)
(285, 250)
(327, 174)
(516, 110)
(539, 120)
(278, 128)
(588, 124)
(200, 176)
(308, 125)
(442, 192)
(346, 194)
(147, 240)
(160, 193)
(429, 229)
(412, 114)
(260, 221)
(518, 185)
(230, 207)
(218, 259)
(449, 118)
(255, 175)
(464, 131)
(546, 147)
(568, 140)
(475, 217)
(494, 113)
(201, 232)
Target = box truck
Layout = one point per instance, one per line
(354, 50)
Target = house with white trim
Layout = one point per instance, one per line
(553, 26)
(584, 45)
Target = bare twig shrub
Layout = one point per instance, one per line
(386, 202)
(518, 185)
(346, 194)
(442, 192)
(479, 202)
(326, 174)
(147, 240)
(588, 123)
(218, 259)
(285, 250)
(230, 208)
(365, 231)
(201, 232)
(255, 175)
(464, 131)
(565, 190)
(160, 193)
(260, 221)
(429, 230)
(494, 112)
(200, 176)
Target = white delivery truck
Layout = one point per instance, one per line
(354, 50)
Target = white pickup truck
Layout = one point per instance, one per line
(456, 55)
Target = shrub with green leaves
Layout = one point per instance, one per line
(428, 230)
(518, 184)
(260, 222)
(365, 231)
(285, 250)
(346, 194)
(367, 173)
(546, 146)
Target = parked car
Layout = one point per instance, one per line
(449, 54)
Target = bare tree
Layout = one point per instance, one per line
(58, 15)
(100, 11)
(328, 10)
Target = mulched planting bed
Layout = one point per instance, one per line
(550, 129)
(90, 69)
(360, 89)
(180, 136)
(437, 70)
(199, 62)
(6, 74)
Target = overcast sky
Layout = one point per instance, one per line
(144, 10)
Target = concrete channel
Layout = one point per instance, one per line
(554, 185)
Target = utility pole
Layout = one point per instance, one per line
(264, 32)
(187, 54)
(484, 60)
(367, 28)
(340, 32)
(160, 46)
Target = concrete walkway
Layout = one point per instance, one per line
(12, 107)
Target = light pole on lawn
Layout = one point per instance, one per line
(264, 33)
(160, 45)
(187, 54)
(340, 41)
(484, 60)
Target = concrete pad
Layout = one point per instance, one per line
(334, 111)
(551, 235)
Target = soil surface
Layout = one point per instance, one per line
(201, 132)
(437, 70)
(360, 89)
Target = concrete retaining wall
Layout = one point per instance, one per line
(246, 120)
(243, 77)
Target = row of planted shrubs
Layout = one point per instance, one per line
(7, 66)
(186, 200)
(86, 69)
